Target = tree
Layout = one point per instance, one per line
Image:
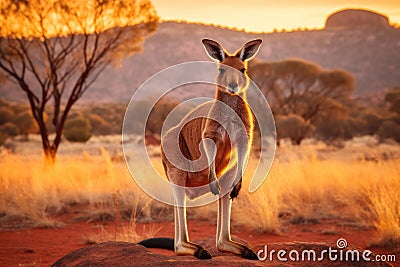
(302, 88)
(299, 87)
(54, 50)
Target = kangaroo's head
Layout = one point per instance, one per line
(232, 76)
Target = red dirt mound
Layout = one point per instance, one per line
(130, 254)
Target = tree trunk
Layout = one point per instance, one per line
(297, 141)
(50, 154)
(49, 151)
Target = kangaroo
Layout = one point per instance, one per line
(231, 138)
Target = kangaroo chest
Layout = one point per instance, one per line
(232, 120)
(231, 128)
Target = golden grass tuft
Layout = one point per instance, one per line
(385, 200)
(126, 233)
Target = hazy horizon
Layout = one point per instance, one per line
(265, 16)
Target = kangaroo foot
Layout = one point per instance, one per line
(249, 254)
(202, 254)
(189, 248)
(236, 248)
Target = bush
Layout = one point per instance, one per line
(3, 138)
(111, 117)
(158, 115)
(389, 129)
(77, 129)
(293, 127)
(9, 129)
(333, 129)
(353, 127)
(372, 121)
(330, 129)
(99, 125)
(6, 115)
(25, 123)
(392, 97)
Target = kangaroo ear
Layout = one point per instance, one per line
(249, 50)
(214, 50)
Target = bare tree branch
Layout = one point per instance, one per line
(62, 47)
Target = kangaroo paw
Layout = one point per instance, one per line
(236, 189)
(249, 254)
(215, 188)
(203, 254)
(234, 193)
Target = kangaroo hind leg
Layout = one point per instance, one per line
(181, 242)
(224, 240)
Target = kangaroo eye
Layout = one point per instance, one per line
(221, 71)
(243, 70)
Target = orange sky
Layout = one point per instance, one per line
(265, 15)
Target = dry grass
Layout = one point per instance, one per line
(306, 185)
(306, 189)
(125, 233)
(33, 194)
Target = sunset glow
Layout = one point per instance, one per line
(53, 18)
(265, 16)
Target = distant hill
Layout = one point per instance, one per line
(356, 18)
(371, 54)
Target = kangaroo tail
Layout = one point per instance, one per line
(158, 242)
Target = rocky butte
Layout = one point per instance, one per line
(356, 18)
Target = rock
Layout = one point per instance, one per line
(356, 18)
(130, 254)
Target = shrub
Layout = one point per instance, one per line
(6, 115)
(330, 129)
(389, 129)
(77, 129)
(373, 122)
(392, 97)
(25, 123)
(9, 129)
(293, 127)
(353, 127)
(99, 125)
(3, 138)
(158, 115)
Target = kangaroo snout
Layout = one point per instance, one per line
(233, 88)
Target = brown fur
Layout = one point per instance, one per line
(195, 130)
(232, 136)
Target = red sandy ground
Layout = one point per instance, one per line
(42, 247)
